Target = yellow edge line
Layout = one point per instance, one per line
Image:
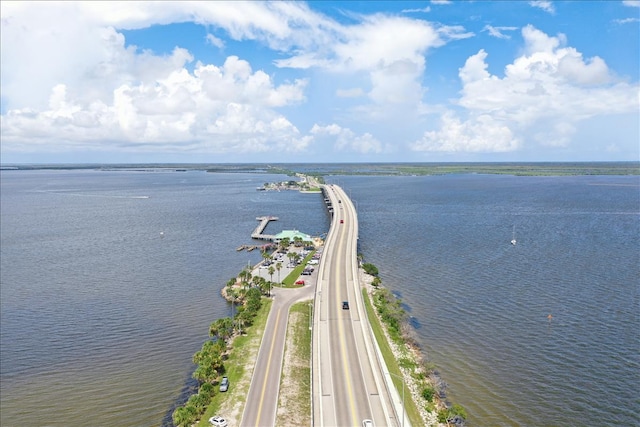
(344, 359)
(266, 375)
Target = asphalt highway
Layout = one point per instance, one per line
(348, 380)
(349, 384)
(262, 401)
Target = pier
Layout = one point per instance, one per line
(257, 233)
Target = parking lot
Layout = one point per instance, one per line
(309, 275)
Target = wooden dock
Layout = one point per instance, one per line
(257, 233)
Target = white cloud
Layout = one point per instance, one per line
(498, 31)
(215, 41)
(113, 91)
(344, 139)
(545, 5)
(218, 109)
(350, 93)
(420, 10)
(69, 77)
(541, 99)
(481, 134)
(631, 3)
(627, 20)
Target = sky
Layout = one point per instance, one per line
(325, 81)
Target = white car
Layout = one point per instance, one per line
(218, 421)
(367, 423)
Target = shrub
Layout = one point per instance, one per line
(370, 269)
(445, 415)
(428, 393)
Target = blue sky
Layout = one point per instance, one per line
(360, 81)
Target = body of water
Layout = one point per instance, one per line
(543, 333)
(109, 280)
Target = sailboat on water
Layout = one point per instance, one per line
(513, 236)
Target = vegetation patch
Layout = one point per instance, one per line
(222, 355)
(411, 373)
(294, 401)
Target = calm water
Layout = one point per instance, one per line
(101, 313)
(481, 305)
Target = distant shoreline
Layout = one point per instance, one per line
(364, 169)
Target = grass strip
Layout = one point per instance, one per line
(243, 353)
(294, 402)
(289, 281)
(390, 361)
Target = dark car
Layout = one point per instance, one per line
(342, 221)
(345, 305)
(224, 384)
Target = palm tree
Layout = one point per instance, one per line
(221, 329)
(278, 267)
(284, 243)
(245, 276)
(266, 255)
(257, 280)
(184, 416)
(271, 271)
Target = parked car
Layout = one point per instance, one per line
(224, 384)
(218, 421)
(345, 305)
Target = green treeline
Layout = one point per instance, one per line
(210, 358)
(394, 317)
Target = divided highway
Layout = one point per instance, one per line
(348, 379)
(349, 384)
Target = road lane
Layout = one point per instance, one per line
(346, 373)
(262, 400)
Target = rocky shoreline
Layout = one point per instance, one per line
(423, 371)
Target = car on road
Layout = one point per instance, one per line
(342, 221)
(345, 305)
(300, 282)
(218, 421)
(367, 423)
(224, 384)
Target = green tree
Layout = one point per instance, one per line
(284, 243)
(279, 267)
(221, 328)
(184, 416)
(199, 402)
(207, 389)
(271, 271)
(245, 276)
(231, 282)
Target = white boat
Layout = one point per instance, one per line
(513, 236)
